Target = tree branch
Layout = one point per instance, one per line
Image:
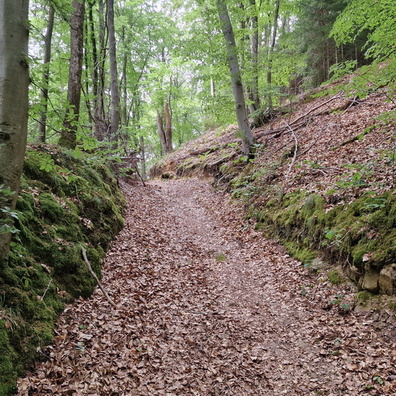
(84, 253)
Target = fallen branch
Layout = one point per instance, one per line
(295, 150)
(294, 124)
(140, 176)
(353, 139)
(227, 157)
(45, 291)
(84, 253)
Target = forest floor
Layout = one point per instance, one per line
(204, 305)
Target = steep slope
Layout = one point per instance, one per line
(323, 180)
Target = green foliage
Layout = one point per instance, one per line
(376, 17)
(314, 23)
(342, 69)
(377, 20)
(363, 297)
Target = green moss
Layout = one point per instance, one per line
(300, 253)
(65, 203)
(361, 233)
(334, 276)
(8, 372)
(363, 297)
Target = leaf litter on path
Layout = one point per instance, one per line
(206, 306)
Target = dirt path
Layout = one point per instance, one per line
(206, 306)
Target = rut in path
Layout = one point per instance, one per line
(206, 306)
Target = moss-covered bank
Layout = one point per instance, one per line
(65, 203)
(360, 235)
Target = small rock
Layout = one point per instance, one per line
(387, 280)
(370, 281)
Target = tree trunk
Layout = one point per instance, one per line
(270, 51)
(114, 88)
(161, 132)
(45, 89)
(143, 158)
(236, 79)
(124, 80)
(69, 132)
(101, 126)
(14, 83)
(168, 127)
(254, 45)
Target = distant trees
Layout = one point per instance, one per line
(158, 71)
(14, 82)
(314, 24)
(378, 18)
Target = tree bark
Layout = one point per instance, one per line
(270, 52)
(236, 79)
(114, 88)
(143, 158)
(45, 88)
(168, 127)
(70, 124)
(254, 45)
(100, 119)
(14, 83)
(161, 132)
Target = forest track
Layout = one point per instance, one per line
(206, 306)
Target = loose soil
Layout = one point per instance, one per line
(206, 306)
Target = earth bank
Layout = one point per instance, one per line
(66, 203)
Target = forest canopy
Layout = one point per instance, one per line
(163, 78)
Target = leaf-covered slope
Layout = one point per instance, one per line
(65, 204)
(323, 180)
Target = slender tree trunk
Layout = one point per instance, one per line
(270, 52)
(161, 132)
(14, 83)
(168, 127)
(143, 157)
(114, 88)
(69, 132)
(101, 126)
(254, 45)
(45, 89)
(92, 36)
(124, 79)
(125, 114)
(236, 79)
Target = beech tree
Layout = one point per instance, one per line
(14, 82)
(236, 79)
(114, 87)
(46, 74)
(69, 132)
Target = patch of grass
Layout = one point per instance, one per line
(220, 257)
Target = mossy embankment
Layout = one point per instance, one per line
(65, 204)
(323, 180)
